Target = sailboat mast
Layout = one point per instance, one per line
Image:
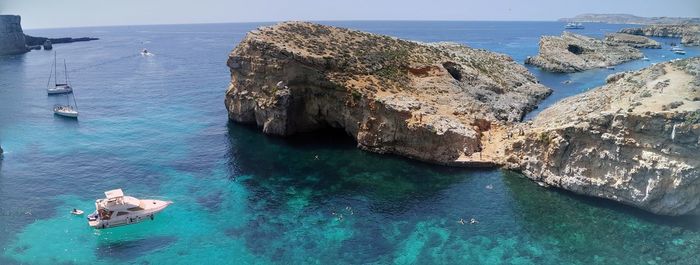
(50, 74)
(65, 70)
(55, 80)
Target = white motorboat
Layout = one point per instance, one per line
(574, 25)
(57, 87)
(77, 212)
(676, 48)
(65, 111)
(118, 210)
(681, 52)
(645, 58)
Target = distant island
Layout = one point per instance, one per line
(630, 19)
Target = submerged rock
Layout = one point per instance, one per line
(632, 40)
(622, 141)
(430, 102)
(573, 53)
(11, 35)
(689, 33)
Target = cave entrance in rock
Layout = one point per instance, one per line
(575, 49)
(454, 70)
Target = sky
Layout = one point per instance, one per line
(82, 13)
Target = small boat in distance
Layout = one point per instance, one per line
(118, 210)
(676, 48)
(645, 58)
(681, 52)
(574, 25)
(145, 52)
(58, 88)
(76, 212)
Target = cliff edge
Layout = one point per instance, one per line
(11, 36)
(431, 102)
(634, 140)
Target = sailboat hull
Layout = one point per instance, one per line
(67, 114)
(59, 91)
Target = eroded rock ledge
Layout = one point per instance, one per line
(635, 140)
(574, 53)
(632, 40)
(689, 33)
(425, 101)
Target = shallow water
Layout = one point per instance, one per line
(156, 126)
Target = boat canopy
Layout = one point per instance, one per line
(111, 194)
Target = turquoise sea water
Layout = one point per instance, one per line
(157, 127)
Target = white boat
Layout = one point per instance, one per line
(676, 48)
(682, 52)
(574, 25)
(76, 212)
(645, 59)
(57, 87)
(118, 210)
(65, 111)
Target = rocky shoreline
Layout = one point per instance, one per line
(689, 33)
(450, 104)
(571, 52)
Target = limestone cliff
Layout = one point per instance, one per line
(425, 101)
(689, 33)
(573, 53)
(11, 36)
(634, 140)
(632, 40)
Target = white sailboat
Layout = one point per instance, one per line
(67, 110)
(117, 210)
(58, 88)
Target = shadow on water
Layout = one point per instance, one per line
(572, 220)
(294, 191)
(128, 250)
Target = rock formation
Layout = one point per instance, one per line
(33, 41)
(632, 40)
(573, 53)
(634, 140)
(425, 101)
(689, 33)
(11, 35)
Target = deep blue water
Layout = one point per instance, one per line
(157, 126)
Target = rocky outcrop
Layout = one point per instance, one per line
(573, 53)
(634, 140)
(11, 36)
(689, 33)
(33, 41)
(632, 40)
(431, 102)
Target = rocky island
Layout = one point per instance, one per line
(632, 40)
(14, 41)
(689, 33)
(632, 140)
(574, 53)
(430, 102)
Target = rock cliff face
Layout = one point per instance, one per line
(635, 140)
(430, 102)
(630, 19)
(11, 36)
(689, 33)
(573, 53)
(632, 40)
